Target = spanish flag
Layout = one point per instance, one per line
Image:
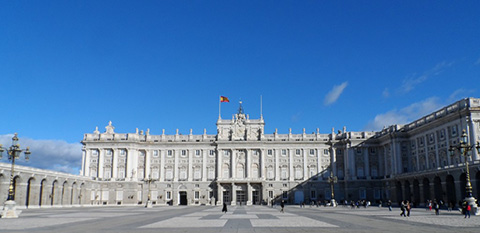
(224, 99)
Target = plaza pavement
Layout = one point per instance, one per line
(206, 219)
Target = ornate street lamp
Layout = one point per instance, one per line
(149, 196)
(465, 148)
(332, 180)
(14, 151)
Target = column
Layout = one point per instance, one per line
(277, 164)
(129, 169)
(219, 174)
(175, 166)
(447, 143)
(86, 168)
(291, 174)
(114, 164)
(305, 169)
(248, 164)
(220, 194)
(135, 163)
(148, 164)
(162, 154)
(249, 193)
(84, 159)
(204, 164)
(101, 162)
(190, 165)
(234, 194)
(473, 136)
(262, 168)
(366, 159)
(319, 160)
(233, 164)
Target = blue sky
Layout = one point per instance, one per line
(69, 66)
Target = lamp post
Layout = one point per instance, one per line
(332, 180)
(465, 148)
(149, 196)
(14, 151)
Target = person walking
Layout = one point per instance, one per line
(409, 207)
(437, 207)
(389, 204)
(224, 209)
(282, 205)
(467, 210)
(402, 208)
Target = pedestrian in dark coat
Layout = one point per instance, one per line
(283, 206)
(224, 209)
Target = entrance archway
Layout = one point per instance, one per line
(426, 189)
(416, 193)
(451, 195)
(437, 186)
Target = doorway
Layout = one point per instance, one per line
(256, 197)
(183, 197)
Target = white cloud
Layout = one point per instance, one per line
(405, 115)
(414, 80)
(48, 154)
(459, 94)
(334, 94)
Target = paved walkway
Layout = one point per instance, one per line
(237, 219)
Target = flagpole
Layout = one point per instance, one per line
(219, 108)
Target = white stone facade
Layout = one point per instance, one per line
(240, 164)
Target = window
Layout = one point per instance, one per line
(226, 152)
(377, 193)
(359, 150)
(297, 151)
(362, 193)
(270, 152)
(284, 152)
(212, 152)
(94, 152)
(285, 195)
(197, 195)
(270, 174)
(313, 194)
(211, 173)
(123, 152)
(270, 194)
(284, 173)
(155, 153)
(169, 173)
(312, 152)
(270, 185)
(183, 173)
(373, 150)
(325, 151)
(184, 153)
(169, 195)
(170, 153)
(197, 153)
(285, 185)
(109, 152)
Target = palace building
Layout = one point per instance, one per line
(242, 165)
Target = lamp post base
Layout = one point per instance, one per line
(149, 204)
(10, 210)
(472, 202)
(333, 203)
